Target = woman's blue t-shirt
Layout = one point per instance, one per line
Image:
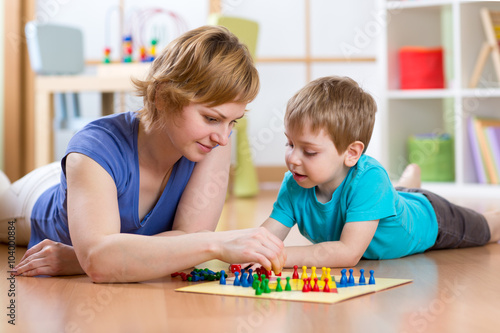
(112, 142)
(407, 221)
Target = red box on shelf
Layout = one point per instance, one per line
(421, 68)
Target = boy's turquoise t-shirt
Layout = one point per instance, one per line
(407, 221)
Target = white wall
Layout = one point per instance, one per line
(338, 29)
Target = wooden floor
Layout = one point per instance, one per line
(452, 291)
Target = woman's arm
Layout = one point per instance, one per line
(107, 255)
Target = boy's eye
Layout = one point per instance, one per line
(309, 153)
(288, 144)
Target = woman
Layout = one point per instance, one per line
(140, 193)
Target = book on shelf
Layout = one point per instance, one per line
(485, 148)
(493, 136)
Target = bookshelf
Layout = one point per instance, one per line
(454, 25)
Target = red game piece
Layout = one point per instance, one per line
(316, 285)
(295, 272)
(235, 268)
(327, 287)
(305, 288)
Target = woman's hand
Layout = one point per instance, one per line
(49, 258)
(252, 245)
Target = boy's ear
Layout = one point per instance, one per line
(353, 153)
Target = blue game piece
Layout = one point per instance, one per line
(362, 280)
(236, 279)
(343, 279)
(244, 280)
(250, 277)
(350, 282)
(222, 277)
(372, 279)
(242, 277)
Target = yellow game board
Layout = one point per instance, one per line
(229, 289)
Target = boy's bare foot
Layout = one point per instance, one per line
(493, 219)
(410, 177)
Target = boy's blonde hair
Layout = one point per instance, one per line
(336, 104)
(207, 65)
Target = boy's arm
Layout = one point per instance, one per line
(354, 240)
(276, 228)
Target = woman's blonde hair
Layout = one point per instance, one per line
(336, 104)
(207, 65)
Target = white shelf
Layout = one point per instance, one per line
(392, 5)
(454, 25)
(420, 94)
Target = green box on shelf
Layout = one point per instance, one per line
(435, 156)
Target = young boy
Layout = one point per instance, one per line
(343, 200)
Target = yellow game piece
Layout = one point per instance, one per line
(313, 274)
(304, 273)
(323, 274)
(329, 275)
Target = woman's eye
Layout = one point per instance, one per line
(210, 119)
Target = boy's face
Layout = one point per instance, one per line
(313, 159)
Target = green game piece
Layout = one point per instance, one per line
(256, 282)
(258, 291)
(288, 287)
(267, 290)
(190, 278)
(278, 285)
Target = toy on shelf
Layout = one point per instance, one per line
(491, 25)
(139, 28)
(127, 49)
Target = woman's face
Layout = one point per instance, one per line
(199, 128)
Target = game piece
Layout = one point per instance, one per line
(323, 274)
(222, 277)
(304, 273)
(326, 289)
(288, 287)
(313, 273)
(305, 288)
(350, 281)
(343, 278)
(316, 285)
(244, 280)
(256, 281)
(258, 290)
(295, 273)
(329, 274)
(250, 277)
(372, 279)
(236, 278)
(278, 285)
(235, 268)
(242, 276)
(267, 290)
(362, 280)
